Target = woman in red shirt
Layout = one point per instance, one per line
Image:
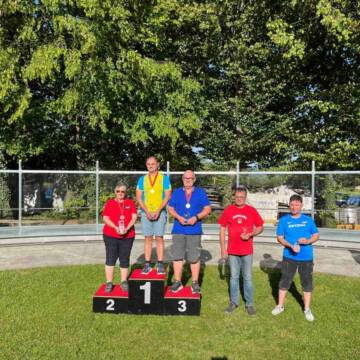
(119, 217)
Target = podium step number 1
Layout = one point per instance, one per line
(147, 295)
(146, 292)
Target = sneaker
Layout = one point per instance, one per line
(277, 310)
(160, 268)
(195, 287)
(176, 286)
(308, 315)
(250, 310)
(146, 269)
(109, 287)
(231, 308)
(124, 286)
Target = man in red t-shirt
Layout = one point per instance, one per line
(243, 223)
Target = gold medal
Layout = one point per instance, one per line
(152, 182)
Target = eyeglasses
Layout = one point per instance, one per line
(191, 178)
(120, 191)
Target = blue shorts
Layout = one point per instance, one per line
(153, 228)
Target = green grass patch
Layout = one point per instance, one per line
(47, 314)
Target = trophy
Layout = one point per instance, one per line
(244, 231)
(122, 224)
(187, 216)
(296, 247)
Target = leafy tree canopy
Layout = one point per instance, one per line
(266, 83)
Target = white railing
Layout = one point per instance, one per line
(97, 172)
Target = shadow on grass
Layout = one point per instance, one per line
(224, 274)
(272, 268)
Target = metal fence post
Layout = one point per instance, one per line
(313, 189)
(237, 173)
(168, 168)
(20, 197)
(167, 211)
(97, 195)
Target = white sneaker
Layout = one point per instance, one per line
(308, 315)
(277, 310)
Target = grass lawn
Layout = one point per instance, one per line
(47, 314)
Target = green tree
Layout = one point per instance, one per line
(78, 84)
(285, 85)
(266, 83)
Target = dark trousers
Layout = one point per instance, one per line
(118, 249)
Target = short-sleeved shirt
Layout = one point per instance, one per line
(292, 229)
(197, 203)
(239, 220)
(153, 200)
(114, 210)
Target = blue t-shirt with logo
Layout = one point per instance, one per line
(292, 229)
(197, 202)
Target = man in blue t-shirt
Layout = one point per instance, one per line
(188, 206)
(296, 232)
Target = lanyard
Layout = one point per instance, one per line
(152, 183)
(122, 209)
(188, 197)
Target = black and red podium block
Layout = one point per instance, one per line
(115, 302)
(146, 292)
(147, 295)
(183, 302)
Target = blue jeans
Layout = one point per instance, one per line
(241, 265)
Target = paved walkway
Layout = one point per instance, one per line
(327, 260)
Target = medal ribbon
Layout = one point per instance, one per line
(152, 183)
(188, 197)
(121, 208)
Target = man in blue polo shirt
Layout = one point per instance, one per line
(188, 206)
(296, 232)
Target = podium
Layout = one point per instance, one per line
(183, 302)
(146, 292)
(115, 302)
(147, 295)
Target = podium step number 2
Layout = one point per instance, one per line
(115, 302)
(147, 295)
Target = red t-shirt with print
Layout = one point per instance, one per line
(114, 210)
(238, 220)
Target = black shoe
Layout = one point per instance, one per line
(146, 269)
(250, 310)
(109, 287)
(176, 286)
(231, 308)
(124, 286)
(195, 287)
(160, 268)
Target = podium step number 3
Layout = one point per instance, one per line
(147, 295)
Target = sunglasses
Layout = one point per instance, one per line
(120, 191)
